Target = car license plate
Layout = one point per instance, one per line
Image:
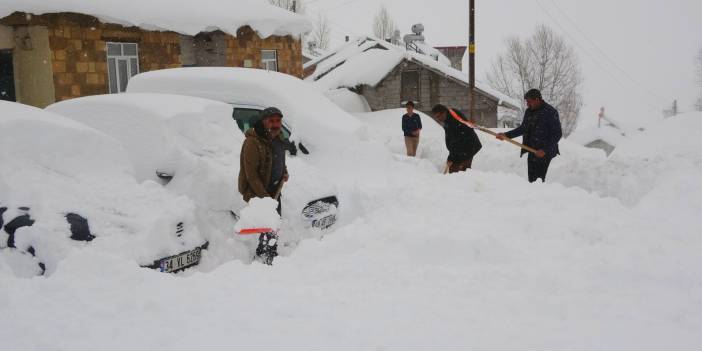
(180, 261)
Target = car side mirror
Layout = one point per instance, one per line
(304, 149)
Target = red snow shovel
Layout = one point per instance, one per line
(251, 231)
(488, 131)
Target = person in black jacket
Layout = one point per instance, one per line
(461, 140)
(541, 129)
(411, 126)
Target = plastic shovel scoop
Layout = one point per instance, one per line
(259, 216)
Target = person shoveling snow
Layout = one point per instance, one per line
(541, 131)
(263, 171)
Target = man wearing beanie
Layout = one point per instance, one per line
(541, 130)
(263, 170)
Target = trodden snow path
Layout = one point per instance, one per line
(479, 261)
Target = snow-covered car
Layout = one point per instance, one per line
(310, 120)
(66, 186)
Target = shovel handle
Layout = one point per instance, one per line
(527, 148)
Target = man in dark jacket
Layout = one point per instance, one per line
(263, 170)
(411, 126)
(461, 140)
(541, 128)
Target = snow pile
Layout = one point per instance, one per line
(54, 166)
(608, 134)
(478, 260)
(194, 140)
(259, 213)
(294, 97)
(348, 100)
(386, 128)
(183, 17)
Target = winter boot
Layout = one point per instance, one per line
(267, 247)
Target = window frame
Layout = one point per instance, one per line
(127, 58)
(264, 62)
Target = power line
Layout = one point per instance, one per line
(587, 52)
(611, 61)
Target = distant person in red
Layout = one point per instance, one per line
(541, 129)
(411, 126)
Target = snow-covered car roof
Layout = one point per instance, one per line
(185, 17)
(305, 109)
(54, 166)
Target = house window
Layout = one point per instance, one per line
(409, 86)
(269, 60)
(122, 64)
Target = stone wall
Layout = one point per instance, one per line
(6, 41)
(433, 89)
(244, 50)
(75, 58)
(79, 52)
(204, 49)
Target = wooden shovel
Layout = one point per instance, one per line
(488, 131)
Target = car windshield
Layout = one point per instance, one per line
(246, 117)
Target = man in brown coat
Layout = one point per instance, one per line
(262, 170)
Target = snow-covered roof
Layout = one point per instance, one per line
(606, 133)
(185, 17)
(367, 61)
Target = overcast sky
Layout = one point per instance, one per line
(649, 45)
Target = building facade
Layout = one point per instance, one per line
(426, 88)
(53, 57)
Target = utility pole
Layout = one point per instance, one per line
(675, 107)
(471, 60)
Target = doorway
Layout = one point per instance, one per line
(7, 76)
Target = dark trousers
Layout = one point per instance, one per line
(461, 166)
(537, 168)
(268, 242)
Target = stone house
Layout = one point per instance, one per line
(388, 76)
(53, 56)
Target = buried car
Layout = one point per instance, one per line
(312, 123)
(66, 186)
(191, 146)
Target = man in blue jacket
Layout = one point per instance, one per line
(411, 127)
(541, 129)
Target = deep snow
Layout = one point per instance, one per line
(605, 256)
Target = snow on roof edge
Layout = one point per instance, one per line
(183, 18)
